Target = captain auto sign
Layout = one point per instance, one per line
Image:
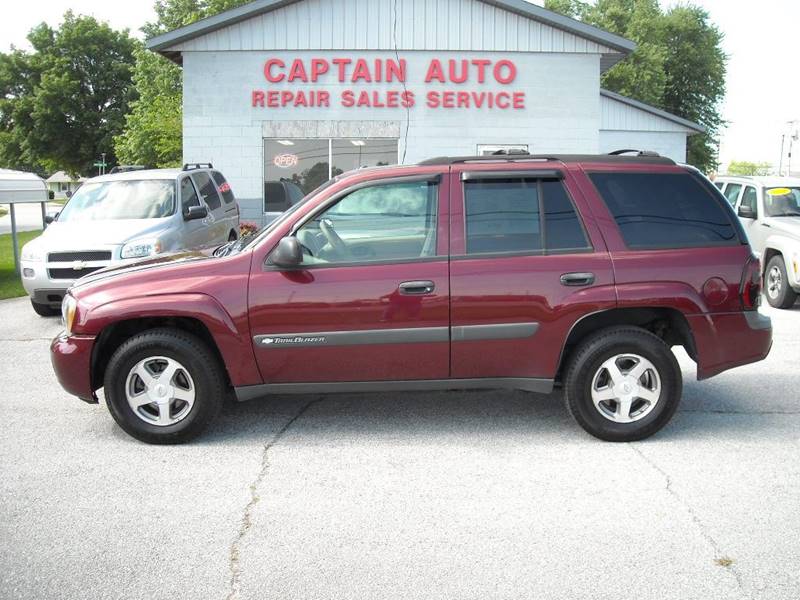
(491, 82)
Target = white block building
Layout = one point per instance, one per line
(282, 94)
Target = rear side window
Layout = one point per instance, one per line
(664, 210)
(223, 187)
(520, 215)
(732, 192)
(208, 190)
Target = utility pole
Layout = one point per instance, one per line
(103, 154)
(780, 164)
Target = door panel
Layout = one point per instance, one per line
(349, 321)
(510, 312)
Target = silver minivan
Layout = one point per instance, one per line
(123, 217)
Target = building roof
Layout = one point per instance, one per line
(165, 42)
(63, 177)
(695, 127)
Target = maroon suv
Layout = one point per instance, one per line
(520, 272)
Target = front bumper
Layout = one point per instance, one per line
(71, 356)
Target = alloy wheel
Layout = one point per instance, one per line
(626, 388)
(160, 391)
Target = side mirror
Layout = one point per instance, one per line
(746, 212)
(50, 218)
(51, 195)
(287, 253)
(195, 212)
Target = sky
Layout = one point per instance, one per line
(761, 39)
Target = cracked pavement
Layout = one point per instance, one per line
(458, 495)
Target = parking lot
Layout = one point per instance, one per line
(423, 495)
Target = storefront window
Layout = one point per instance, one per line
(294, 167)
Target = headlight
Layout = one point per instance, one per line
(32, 252)
(68, 307)
(140, 248)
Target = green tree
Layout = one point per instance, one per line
(153, 133)
(62, 103)
(678, 64)
(744, 167)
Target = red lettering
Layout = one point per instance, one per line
(478, 98)
(395, 71)
(448, 100)
(319, 66)
(498, 72)
(392, 99)
(363, 99)
(324, 99)
(433, 100)
(408, 99)
(258, 98)
(459, 78)
(300, 99)
(506, 100)
(341, 63)
(361, 72)
(348, 98)
(519, 99)
(463, 99)
(481, 63)
(378, 69)
(286, 97)
(435, 71)
(298, 71)
(274, 62)
(272, 98)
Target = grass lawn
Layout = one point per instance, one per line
(10, 283)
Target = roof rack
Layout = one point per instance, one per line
(193, 166)
(126, 169)
(642, 158)
(632, 151)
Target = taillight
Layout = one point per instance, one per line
(750, 290)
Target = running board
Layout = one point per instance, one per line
(528, 384)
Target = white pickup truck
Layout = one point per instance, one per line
(769, 208)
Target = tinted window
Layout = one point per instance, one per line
(563, 229)
(502, 216)
(732, 192)
(208, 190)
(223, 187)
(188, 194)
(659, 210)
(749, 198)
(719, 184)
(384, 222)
(276, 196)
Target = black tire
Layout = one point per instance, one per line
(203, 366)
(45, 310)
(586, 361)
(784, 296)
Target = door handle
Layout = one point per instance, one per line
(577, 279)
(416, 288)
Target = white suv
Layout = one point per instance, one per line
(769, 208)
(125, 216)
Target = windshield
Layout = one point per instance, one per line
(782, 202)
(245, 241)
(136, 199)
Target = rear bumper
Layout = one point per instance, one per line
(72, 361)
(728, 340)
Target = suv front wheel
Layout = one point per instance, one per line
(779, 292)
(164, 386)
(622, 384)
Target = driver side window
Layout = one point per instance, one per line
(383, 222)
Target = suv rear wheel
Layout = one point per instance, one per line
(623, 384)
(779, 292)
(164, 386)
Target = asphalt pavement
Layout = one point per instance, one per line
(402, 495)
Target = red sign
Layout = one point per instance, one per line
(285, 161)
(477, 72)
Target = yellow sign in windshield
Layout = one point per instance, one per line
(779, 192)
